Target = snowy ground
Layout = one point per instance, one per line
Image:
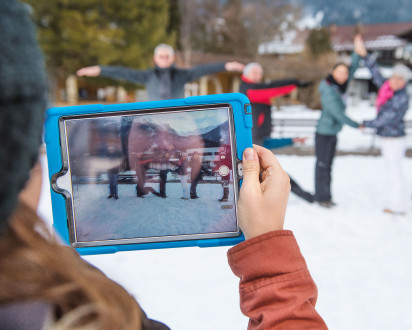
(99, 218)
(359, 257)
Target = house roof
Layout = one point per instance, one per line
(375, 36)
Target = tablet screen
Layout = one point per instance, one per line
(151, 176)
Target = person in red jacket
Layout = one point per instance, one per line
(223, 167)
(260, 96)
(46, 284)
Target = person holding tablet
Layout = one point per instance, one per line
(44, 284)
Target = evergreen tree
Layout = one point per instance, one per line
(319, 42)
(77, 33)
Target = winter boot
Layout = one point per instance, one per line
(139, 192)
(225, 195)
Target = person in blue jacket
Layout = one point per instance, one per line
(332, 91)
(392, 103)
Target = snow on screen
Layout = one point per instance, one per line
(152, 175)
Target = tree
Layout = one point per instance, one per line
(234, 26)
(319, 42)
(76, 33)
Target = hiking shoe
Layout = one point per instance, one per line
(327, 205)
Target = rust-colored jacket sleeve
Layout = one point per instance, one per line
(276, 289)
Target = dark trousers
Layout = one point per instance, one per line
(162, 182)
(113, 183)
(193, 187)
(296, 189)
(325, 148)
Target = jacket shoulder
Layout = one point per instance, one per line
(324, 86)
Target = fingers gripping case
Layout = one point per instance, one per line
(59, 168)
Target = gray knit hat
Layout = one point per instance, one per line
(22, 102)
(402, 71)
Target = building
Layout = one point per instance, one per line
(388, 43)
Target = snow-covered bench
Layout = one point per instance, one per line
(285, 126)
(290, 127)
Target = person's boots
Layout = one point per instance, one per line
(139, 192)
(225, 194)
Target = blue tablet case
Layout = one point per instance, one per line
(242, 113)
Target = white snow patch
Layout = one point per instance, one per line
(310, 22)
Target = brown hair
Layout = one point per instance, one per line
(35, 267)
(339, 64)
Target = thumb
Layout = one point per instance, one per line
(251, 168)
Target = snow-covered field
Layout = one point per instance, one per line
(359, 257)
(99, 218)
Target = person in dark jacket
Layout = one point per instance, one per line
(260, 96)
(196, 171)
(392, 103)
(332, 94)
(165, 81)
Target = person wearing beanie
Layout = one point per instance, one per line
(392, 102)
(47, 285)
(42, 283)
(22, 102)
